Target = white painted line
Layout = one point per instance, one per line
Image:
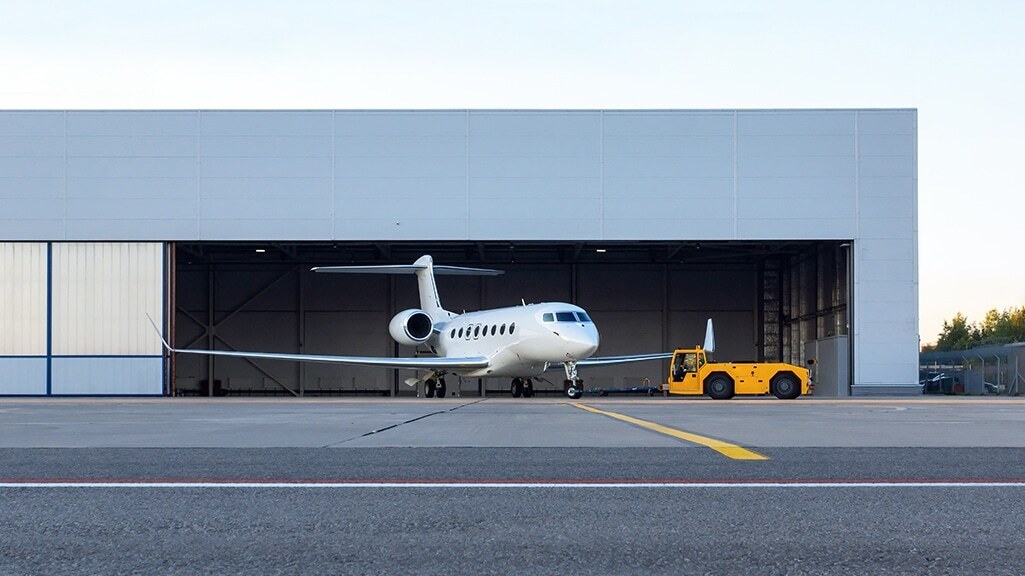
(464, 485)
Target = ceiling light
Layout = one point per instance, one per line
(600, 250)
(260, 250)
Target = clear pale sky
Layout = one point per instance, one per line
(962, 64)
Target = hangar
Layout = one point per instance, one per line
(795, 230)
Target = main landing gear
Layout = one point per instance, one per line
(572, 385)
(522, 387)
(434, 386)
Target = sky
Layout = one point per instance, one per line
(961, 64)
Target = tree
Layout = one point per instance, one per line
(998, 327)
(957, 334)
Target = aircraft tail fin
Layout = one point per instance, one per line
(425, 271)
(709, 338)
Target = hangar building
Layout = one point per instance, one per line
(795, 230)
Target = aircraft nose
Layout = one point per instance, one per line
(582, 341)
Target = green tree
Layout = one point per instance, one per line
(958, 334)
(998, 327)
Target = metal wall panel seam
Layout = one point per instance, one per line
(601, 174)
(165, 382)
(466, 173)
(736, 228)
(49, 316)
(855, 256)
(914, 219)
(334, 174)
(64, 200)
(198, 174)
(58, 356)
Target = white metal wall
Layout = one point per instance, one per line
(487, 174)
(22, 299)
(72, 318)
(23, 318)
(101, 295)
(102, 341)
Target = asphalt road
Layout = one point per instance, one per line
(771, 516)
(511, 531)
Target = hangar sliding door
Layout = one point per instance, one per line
(102, 341)
(23, 351)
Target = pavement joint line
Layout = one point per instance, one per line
(492, 485)
(725, 448)
(410, 421)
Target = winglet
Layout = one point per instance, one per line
(159, 335)
(709, 338)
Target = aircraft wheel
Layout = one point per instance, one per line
(429, 386)
(516, 388)
(574, 390)
(528, 388)
(441, 388)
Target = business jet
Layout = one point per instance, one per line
(517, 342)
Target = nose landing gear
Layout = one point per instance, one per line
(572, 385)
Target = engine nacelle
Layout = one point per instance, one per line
(411, 327)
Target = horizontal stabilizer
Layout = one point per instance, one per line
(408, 269)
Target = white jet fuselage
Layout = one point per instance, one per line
(519, 341)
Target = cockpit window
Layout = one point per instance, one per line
(565, 317)
(583, 317)
(548, 317)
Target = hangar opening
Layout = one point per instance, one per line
(770, 301)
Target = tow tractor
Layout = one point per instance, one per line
(690, 373)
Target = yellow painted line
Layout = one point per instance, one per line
(724, 448)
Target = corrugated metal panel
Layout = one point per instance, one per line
(22, 299)
(22, 376)
(101, 295)
(107, 376)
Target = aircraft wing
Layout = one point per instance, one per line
(427, 362)
(608, 360)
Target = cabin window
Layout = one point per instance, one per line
(502, 329)
(583, 317)
(548, 317)
(512, 327)
(453, 334)
(460, 332)
(493, 329)
(565, 317)
(476, 331)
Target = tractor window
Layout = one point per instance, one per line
(683, 364)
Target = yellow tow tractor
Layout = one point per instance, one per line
(691, 373)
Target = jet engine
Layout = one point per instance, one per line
(411, 327)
